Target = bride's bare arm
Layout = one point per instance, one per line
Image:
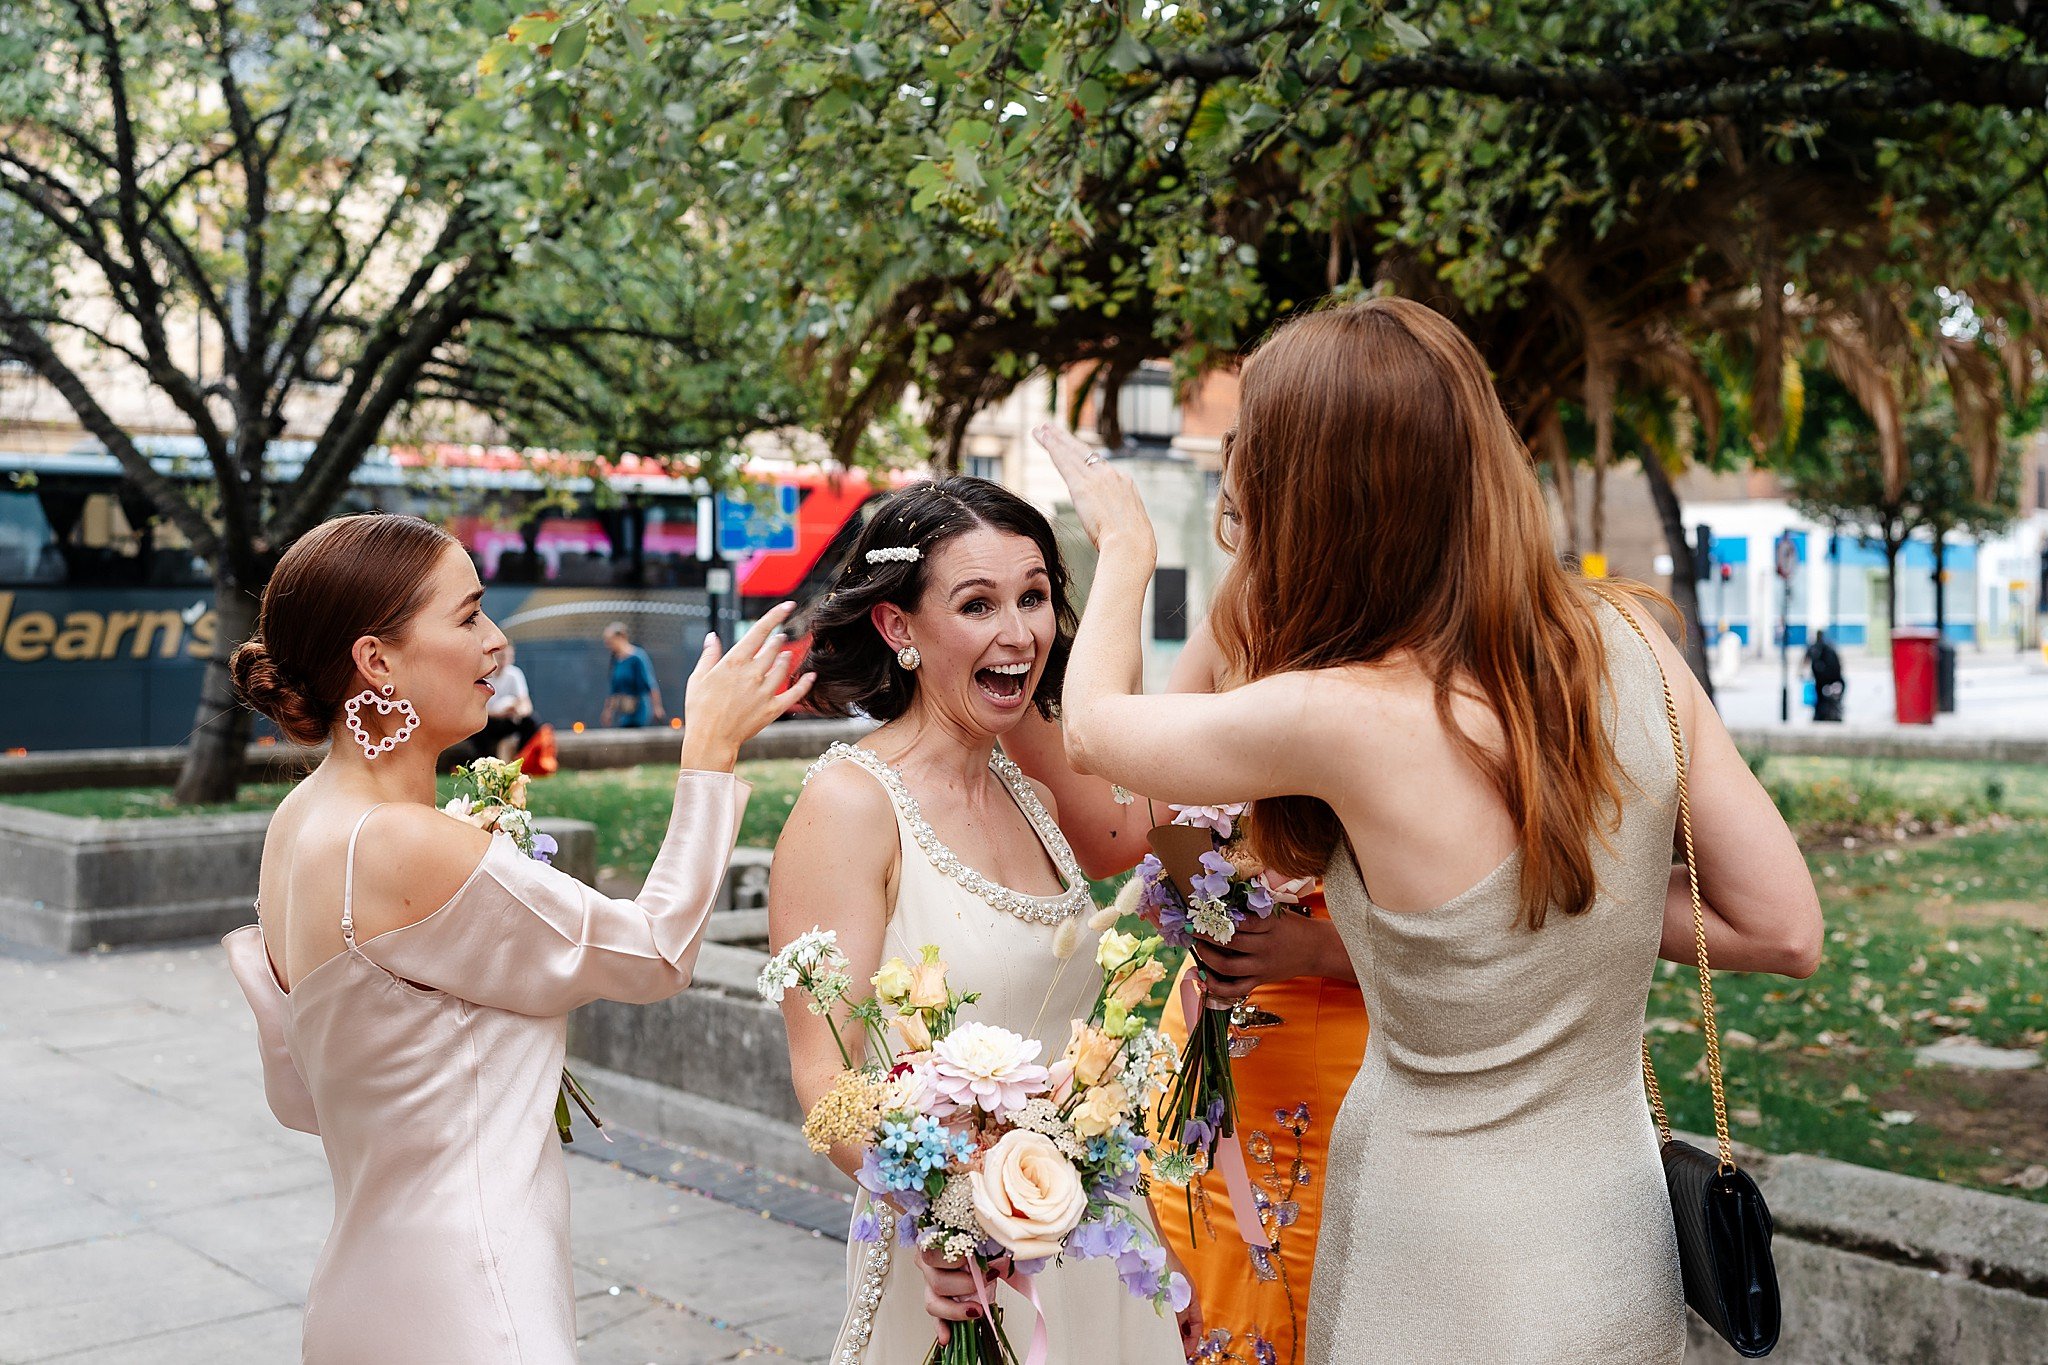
(835, 868)
(1107, 836)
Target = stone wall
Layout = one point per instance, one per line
(77, 884)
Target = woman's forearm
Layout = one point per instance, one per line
(1107, 663)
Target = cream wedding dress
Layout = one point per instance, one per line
(998, 942)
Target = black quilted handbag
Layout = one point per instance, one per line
(1724, 1229)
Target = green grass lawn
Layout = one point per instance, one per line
(1934, 880)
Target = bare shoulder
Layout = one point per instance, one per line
(842, 806)
(410, 860)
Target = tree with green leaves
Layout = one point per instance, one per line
(313, 206)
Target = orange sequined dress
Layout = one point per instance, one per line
(1289, 1085)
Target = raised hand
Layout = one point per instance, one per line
(734, 695)
(1105, 498)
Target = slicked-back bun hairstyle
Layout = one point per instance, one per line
(857, 671)
(344, 579)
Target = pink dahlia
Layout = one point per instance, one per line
(980, 1066)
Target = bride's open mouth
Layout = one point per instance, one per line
(1003, 684)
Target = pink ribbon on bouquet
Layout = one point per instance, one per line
(1041, 1343)
(1229, 1152)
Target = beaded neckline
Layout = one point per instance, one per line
(1076, 899)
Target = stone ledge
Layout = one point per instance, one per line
(64, 769)
(1835, 741)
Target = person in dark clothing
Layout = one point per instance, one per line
(1828, 683)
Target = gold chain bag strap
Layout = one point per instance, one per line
(1724, 1228)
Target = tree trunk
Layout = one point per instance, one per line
(1685, 583)
(220, 731)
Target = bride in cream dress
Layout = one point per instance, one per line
(925, 833)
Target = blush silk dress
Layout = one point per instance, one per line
(427, 1060)
(999, 942)
(1495, 1192)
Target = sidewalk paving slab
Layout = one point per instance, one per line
(152, 1212)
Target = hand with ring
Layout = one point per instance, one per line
(1105, 498)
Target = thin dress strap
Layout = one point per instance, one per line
(348, 879)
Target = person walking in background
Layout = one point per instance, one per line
(412, 975)
(1829, 686)
(1470, 745)
(509, 720)
(635, 699)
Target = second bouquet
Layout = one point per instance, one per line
(976, 1146)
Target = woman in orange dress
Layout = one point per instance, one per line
(1299, 1032)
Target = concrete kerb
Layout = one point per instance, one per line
(66, 769)
(1835, 741)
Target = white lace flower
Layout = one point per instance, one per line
(776, 977)
(1211, 919)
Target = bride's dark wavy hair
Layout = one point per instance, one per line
(857, 671)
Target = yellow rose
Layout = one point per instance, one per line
(1115, 949)
(892, 983)
(1133, 989)
(1093, 1052)
(1027, 1195)
(1100, 1110)
(928, 982)
(911, 1028)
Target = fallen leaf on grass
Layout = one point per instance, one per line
(1748, 1118)
(1892, 1118)
(2032, 1178)
(1852, 1093)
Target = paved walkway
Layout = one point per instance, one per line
(1998, 692)
(153, 1213)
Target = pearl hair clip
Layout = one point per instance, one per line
(903, 554)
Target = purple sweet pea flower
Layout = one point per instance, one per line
(545, 848)
(1258, 899)
(1179, 1293)
(1214, 884)
(1197, 1134)
(906, 1230)
(1142, 1268)
(867, 1226)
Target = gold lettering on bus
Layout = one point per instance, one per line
(34, 636)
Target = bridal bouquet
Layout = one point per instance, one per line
(975, 1147)
(499, 805)
(1196, 885)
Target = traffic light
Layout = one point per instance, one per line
(1703, 552)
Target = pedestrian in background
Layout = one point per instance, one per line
(509, 721)
(1828, 683)
(635, 699)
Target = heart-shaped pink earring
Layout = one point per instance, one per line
(385, 706)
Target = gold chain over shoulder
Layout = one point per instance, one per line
(1709, 1029)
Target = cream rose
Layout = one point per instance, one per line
(1027, 1195)
(1132, 990)
(1100, 1110)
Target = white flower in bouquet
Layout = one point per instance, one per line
(1027, 1195)
(1115, 949)
(461, 807)
(515, 822)
(776, 978)
(981, 1066)
(1100, 1110)
(1211, 919)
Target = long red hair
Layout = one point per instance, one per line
(1386, 506)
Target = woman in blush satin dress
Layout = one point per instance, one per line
(412, 975)
(926, 833)
(1470, 746)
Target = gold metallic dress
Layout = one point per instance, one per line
(427, 1060)
(1494, 1190)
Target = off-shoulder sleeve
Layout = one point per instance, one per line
(523, 936)
(283, 1086)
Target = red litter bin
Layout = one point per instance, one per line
(1914, 674)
